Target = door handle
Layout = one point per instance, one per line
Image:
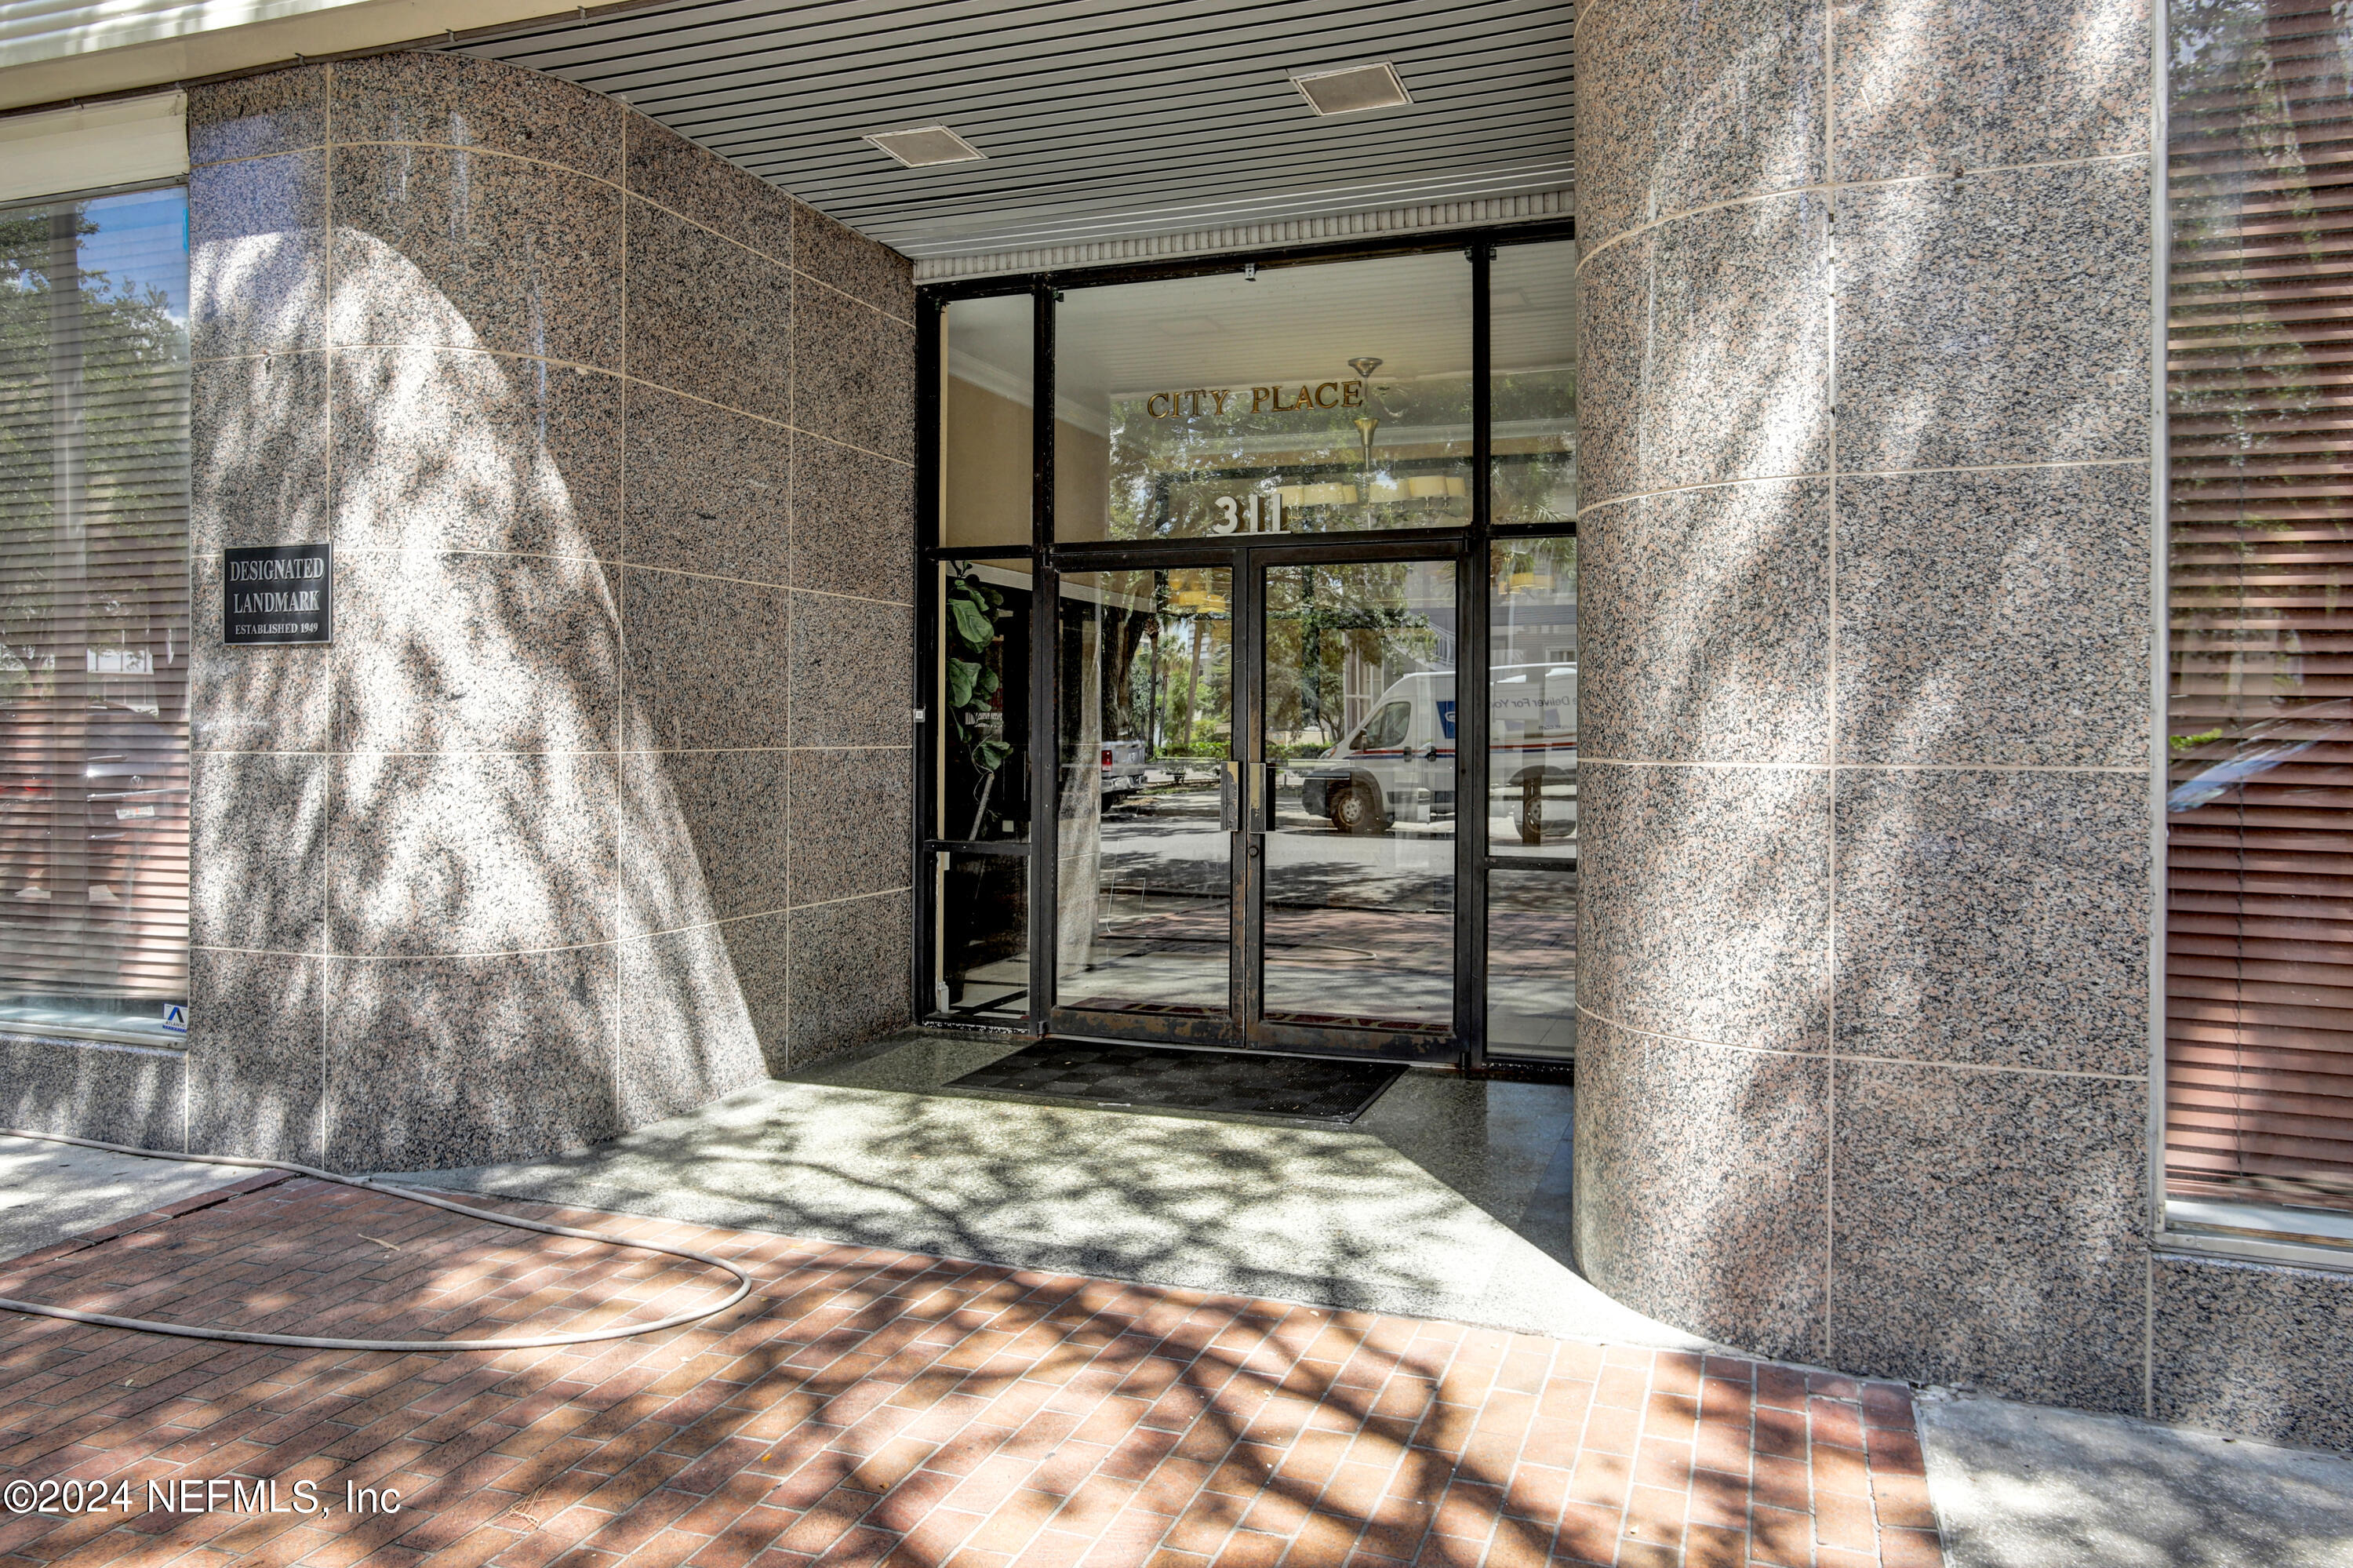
(1246, 797)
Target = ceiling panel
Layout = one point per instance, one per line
(1100, 121)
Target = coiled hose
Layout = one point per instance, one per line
(319, 1342)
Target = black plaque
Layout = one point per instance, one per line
(278, 593)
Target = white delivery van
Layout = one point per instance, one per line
(1399, 764)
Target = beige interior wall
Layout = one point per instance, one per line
(1081, 484)
(984, 467)
(984, 471)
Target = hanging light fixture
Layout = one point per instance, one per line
(1364, 365)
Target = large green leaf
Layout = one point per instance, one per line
(961, 673)
(990, 754)
(973, 626)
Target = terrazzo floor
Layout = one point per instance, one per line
(1450, 1198)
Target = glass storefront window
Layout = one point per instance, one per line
(1532, 963)
(987, 397)
(1532, 382)
(1532, 696)
(2259, 717)
(1291, 400)
(983, 956)
(1255, 824)
(1531, 797)
(94, 613)
(981, 773)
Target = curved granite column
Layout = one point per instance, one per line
(574, 826)
(1864, 437)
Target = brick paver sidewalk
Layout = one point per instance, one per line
(868, 1405)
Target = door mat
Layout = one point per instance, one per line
(1146, 1077)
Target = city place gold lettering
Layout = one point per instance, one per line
(1193, 402)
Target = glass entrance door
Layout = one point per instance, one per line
(1255, 833)
(1350, 929)
(1144, 861)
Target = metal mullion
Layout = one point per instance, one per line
(1562, 530)
(1003, 848)
(1267, 259)
(937, 555)
(1142, 555)
(923, 970)
(1315, 255)
(1384, 545)
(1422, 544)
(1471, 690)
(1247, 746)
(1399, 544)
(1045, 651)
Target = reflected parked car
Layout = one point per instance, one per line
(134, 777)
(1123, 764)
(2205, 772)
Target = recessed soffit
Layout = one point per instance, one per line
(1097, 121)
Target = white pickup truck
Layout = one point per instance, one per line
(1399, 764)
(1123, 762)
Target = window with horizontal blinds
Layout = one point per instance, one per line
(2259, 809)
(94, 613)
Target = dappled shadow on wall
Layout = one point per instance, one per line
(484, 1001)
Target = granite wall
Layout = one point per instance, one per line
(1865, 443)
(599, 806)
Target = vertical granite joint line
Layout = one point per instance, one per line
(2160, 620)
(328, 962)
(795, 236)
(620, 738)
(1830, 678)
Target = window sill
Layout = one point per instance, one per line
(22, 1027)
(2268, 1233)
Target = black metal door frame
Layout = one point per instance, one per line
(1248, 557)
(1470, 546)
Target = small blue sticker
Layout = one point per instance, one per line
(175, 1017)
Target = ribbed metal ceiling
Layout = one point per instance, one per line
(1100, 121)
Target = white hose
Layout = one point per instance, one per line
(314, 1342)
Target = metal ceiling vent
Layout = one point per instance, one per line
(1352, 90)
(926, 145)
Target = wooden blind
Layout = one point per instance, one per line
(94, 608)
(2258, 945)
